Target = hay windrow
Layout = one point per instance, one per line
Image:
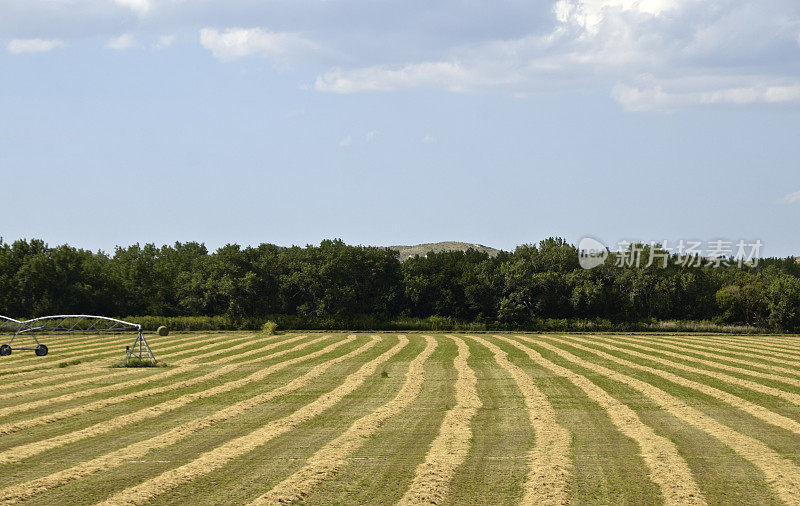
(170, 349)
(691, 345)
(735, 347)
(247, 341)
(734, 380)
(782, 475)
(449, 449)
(105, 374)
(27, 406)
(28, 450)
(33, 364)
(66, 350)
(24, 491)
(549, 462)
(221, 455)
(753, 343)
(58, 378)
(102, 403)
(716, 356)
(656, 348)
(91, 362)
(46, 464)
(326, 462)
(666, 467)
(83, 344)
(119, 386)
(760, 412)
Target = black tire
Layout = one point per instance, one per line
(5, 350)
(41, 350)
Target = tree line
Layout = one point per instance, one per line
(340, 282)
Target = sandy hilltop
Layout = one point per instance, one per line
(406, 252)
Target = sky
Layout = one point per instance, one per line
(388, 122)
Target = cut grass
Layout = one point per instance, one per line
(362, 420)
(782, 474)
(432, 479)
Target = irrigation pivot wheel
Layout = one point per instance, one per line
(41, 350)
(5, 350)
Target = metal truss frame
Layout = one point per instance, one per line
(9, 324)
(72, 324)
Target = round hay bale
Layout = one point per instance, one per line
(162, 331)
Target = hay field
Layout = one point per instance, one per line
(242, 418)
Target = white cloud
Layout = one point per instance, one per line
(428, 139)
(694, 52)
(678, 93)
(165, 41)
(237, 43)
(346, 142)
(452, 76)
(140, 7)
(589, 14)
(698, 52)
(19, 46)
(792, 198)
(124, 41)
(370, 136)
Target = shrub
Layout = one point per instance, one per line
(162, 331)
(441, 322)
(269, 327)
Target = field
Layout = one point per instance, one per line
(404, 418)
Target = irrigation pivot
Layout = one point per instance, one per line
(8, 325)
(75, 324)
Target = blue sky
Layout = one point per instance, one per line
(386, 122)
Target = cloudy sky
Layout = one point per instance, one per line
(387, 122)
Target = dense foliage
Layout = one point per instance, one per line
(334, 282)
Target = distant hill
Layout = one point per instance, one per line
(406, 252)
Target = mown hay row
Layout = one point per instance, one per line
(549, 462)
(27, 490)
(780, 344)
(58, 375)
(34, 365)
(218, 457)
(449, 449)
(656, 348)
(715, 356)
(719, 349)
(170, 349)
(749, 347)
(666, 468)
(246, 342)
(28, 406)
(770, 351)
(105, 374)
(89, 365)
(781, 474)
(757, 411)
(68, 341)
(326, 462)
(28, 450)
(65, 349)
(92, 361)
(734, 380)
(60, 350)
(102, 403)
